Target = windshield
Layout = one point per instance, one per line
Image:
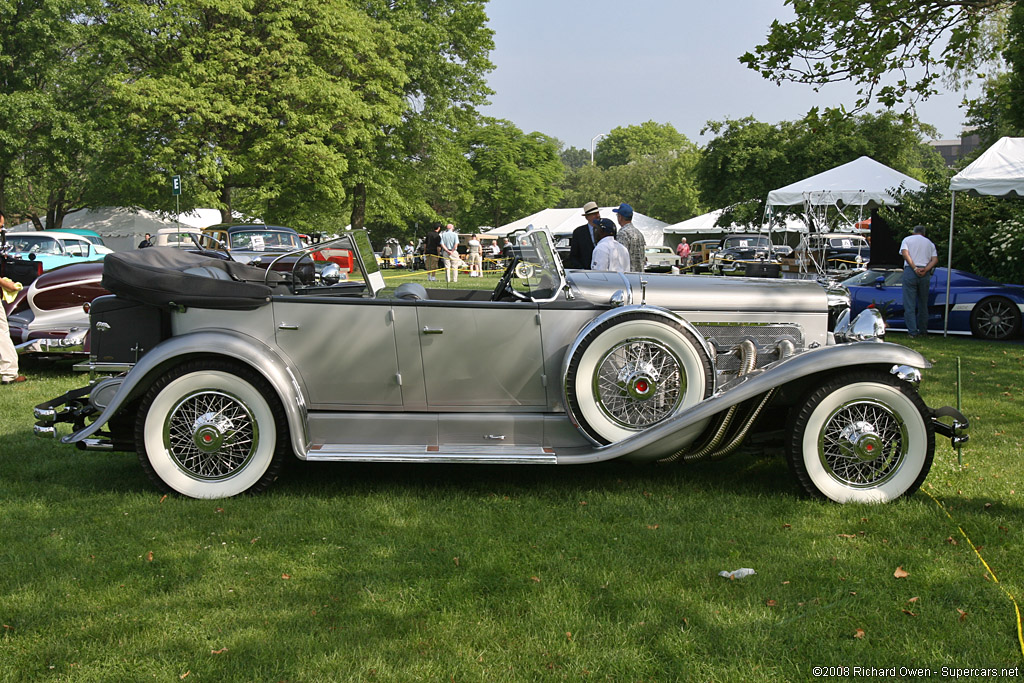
(751, 242)
(35, 244)
(849, 242)
(868, 278)
(538, 275)
(264, 240)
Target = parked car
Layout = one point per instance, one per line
(226, 371)
(54, 248)
(660, 259)
(746, 255)
(181, 237)
(50, 317)
(837, 253)
(985, 309)
(700, 254)
(88, 234)
(248, 242)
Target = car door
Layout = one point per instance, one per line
(344, 350)
(481, 354)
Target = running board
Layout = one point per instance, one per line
(476, 455)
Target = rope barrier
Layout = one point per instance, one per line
(1016, 607)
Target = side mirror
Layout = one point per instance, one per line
(880, 282)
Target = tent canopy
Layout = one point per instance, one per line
(862, 182)
(998, 172)
(705, 225)
(561, 223)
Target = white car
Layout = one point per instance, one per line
(176, 237)
(660, 259)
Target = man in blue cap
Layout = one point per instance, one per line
(630, 237)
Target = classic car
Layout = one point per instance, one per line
(181, 237)
(88, 234)
(748, 255)
(219, 373)
(660, 259)
(50, 317)
(837, 253)
(985, 309)
(54, 248)
(700, 253)
(248, 242)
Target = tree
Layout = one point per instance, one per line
(52, 122)
(416, 169)
(747, 159)
(630, 143)
(514, 174)
(270, 99)
(574, 158)
(999, 111)
(918, 42)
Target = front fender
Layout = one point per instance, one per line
(662, 437)
(239, 347)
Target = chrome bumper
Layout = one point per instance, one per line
(72, 343)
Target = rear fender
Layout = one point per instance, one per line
(244, 349)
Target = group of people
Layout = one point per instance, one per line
(441, 250)
(591, 248)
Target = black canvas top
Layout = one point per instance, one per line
(165, 276)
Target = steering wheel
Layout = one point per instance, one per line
(504, 283)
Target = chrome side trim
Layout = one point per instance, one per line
(479, 455)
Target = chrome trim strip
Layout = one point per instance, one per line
(465, 454)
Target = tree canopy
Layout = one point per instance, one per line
(894, 50)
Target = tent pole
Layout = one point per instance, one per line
(949, 264)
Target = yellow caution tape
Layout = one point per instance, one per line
(1016, 607)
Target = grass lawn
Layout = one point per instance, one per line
(476, 573)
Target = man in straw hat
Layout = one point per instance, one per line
(581, 247)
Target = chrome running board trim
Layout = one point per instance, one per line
(479, 455)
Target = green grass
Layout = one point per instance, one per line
(608, 572)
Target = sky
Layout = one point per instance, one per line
(574, 69)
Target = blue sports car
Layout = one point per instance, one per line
(986, 309)
(54, 248)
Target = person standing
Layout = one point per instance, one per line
(8, 354)
(920, 257)
(630, 237)
(683, 250)
(474, 252)
(450, 254)
(609, 254)
(492, 262)
(431, 250)
(581, 247)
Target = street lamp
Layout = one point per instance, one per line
(593, 141)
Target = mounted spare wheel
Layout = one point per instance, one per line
(633, 371)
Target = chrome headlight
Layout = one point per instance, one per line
(867, 326)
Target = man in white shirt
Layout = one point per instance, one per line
(920, 257)
(608, 254)
(450, 254)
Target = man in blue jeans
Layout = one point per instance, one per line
(920, 257)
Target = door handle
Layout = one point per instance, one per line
(433, 330)
(287, 326)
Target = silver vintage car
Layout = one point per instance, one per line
(217, 372)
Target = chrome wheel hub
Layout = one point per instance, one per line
(210, 435)
(860, 440)
(638, 383)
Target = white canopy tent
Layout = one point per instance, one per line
(561, 223)
(998, 172)
(123, 228)
(863, 183)
(706, 224)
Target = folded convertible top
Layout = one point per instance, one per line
(167, 276)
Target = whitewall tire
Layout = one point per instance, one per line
(861, 438)
(211, 429)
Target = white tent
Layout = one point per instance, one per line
(705, 225)
(998, 172)
(862, 182)
(122, 229)
(561, 223)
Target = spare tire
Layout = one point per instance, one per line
(633, 371)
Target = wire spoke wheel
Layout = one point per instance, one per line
(639, 383)
(863, 443)
(210, 435)
(861, 437)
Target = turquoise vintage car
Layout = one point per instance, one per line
(55, 248)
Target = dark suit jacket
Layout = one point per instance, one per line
(432, 244)
(581, 248)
